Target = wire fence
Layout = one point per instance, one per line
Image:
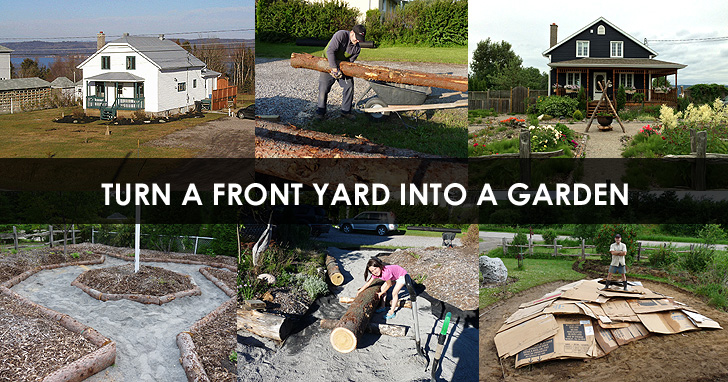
(184, 244)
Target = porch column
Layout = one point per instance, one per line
(650, 87)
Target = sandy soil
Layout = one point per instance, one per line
(690, 356)
(153, 281)
(227, 137)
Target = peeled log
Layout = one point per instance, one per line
(264, 324)
(333, 269)
(381, 73)
(385, 329)
(356, 319)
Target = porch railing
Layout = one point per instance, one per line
(129, 103)
(670, 96)
(94, 102)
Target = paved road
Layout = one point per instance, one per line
(393, 239)
(145, 335)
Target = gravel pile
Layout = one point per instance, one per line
(292, 93)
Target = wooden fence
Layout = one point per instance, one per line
(642, 251)
(515, 100)
(698, 157)
(224, 95)
(15, 236)
(556, 248)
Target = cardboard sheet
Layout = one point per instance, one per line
(635, 331)
(547, 297)
(619, 310)
(526, 334)
(701, 321)
(642, 306)
(605, 339)
(563, 307)
(574, 339)
(667, 322)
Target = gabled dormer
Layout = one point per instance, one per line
(598, 39)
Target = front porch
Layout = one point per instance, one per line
(112, 95)
(637, 83)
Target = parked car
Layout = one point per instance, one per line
(380, 222)
(247, 112)
(314, 217)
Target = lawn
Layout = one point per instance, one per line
(34, 135)
(446, 55)
(535, 272)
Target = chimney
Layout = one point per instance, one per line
(100, 40)
(161, 37)
(125, 34)
(554, 39)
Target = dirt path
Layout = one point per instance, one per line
(690, 356)
(227, 137)
(145, 335)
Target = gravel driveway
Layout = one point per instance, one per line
(292, 93)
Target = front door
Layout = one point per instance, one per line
(599, 77)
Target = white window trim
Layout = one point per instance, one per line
(619, 79)
(575, 76)
(621, 50)
(577, 48)
(601, 30)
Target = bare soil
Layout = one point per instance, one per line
(215, 343)
(691, 356)
(450, 274)
(151, 281)
(227, 137)
(32, 346)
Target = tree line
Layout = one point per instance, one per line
(494, 66)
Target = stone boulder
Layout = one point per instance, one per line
(493, 270)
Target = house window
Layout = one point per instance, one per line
(194, 84)
(130, 62)
(105, 62)
(119, 90)
(616, 50)
(182, 86)
(600, 30)
(139, 90)
(582, 49)
(100, 89)
(573, 79)
(626, 79)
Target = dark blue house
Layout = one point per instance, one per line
(601, 51)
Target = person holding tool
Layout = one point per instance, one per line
(392, 275)
(618, 265)
(343, 46)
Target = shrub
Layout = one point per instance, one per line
(639, 97)
(621, 98)
(711, 234)
(698, 259)
(554, 105)
(519, 239)
(664, 256)
(314, 286)
(581, 99)
(433, 23)
(578, 115)
(78, 113)
(284, 21)
(705, 93)
(605, 237)
(140, 115)
(549, 236)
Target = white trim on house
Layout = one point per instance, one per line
(585, 51)
(625, 79)
(573, 78)
(620, 49)
(592, 24)
(601, 30)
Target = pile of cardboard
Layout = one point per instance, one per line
(583, 320)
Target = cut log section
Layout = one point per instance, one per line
(402, 303)
(333, 269)
(385, 329)
(264, 324)
(381, 73)
(354, 322)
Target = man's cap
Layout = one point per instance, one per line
(618, 235)
(359, 32)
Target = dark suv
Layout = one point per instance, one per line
(380, 222)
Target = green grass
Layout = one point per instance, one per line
(338, 244)
(441, 134)
(536, 272)
(34, 135)
(448, 55)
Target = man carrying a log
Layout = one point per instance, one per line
(343, 46)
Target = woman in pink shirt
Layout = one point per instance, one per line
(392, 275)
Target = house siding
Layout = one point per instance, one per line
(170, 99)
(599, 45)
(5, 66)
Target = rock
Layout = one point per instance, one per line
(493, 270)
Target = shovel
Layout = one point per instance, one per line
(440, 345)
(413, 296)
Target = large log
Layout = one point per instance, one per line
(333, 269)
(385, 329)
(402, 303)
(356, 319)
(264, 324)
(381, 73)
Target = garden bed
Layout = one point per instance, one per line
(224, 279)
(15, 268)
(149, 255)
(151, 285)
(207, 350)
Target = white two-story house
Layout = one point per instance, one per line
(143, 73)
(5, 63)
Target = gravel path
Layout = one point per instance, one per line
(308, 355)
(145, 335)
(394, 240)
(292, 93)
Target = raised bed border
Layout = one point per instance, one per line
(219, 283)
(142, 298)
(189, 358)
(233, 268)
(21, 277)
(85, 366)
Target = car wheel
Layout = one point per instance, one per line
(346, 228)
(381, 230)
(241, 114)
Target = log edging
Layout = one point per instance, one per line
(189, 358)
(30, 272)
(142, 298)
(219, 283)
(86, 366)
(232, 268)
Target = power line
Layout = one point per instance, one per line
(146, 34)
(691, 40)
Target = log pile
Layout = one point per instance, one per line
(355, 321)
(381, 73)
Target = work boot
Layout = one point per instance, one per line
(606, 285)
(625, 284)
(350, 116)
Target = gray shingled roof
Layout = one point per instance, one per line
(62, 82)
(23, 83)
(116, 76)
(646, 63)
(5, 49)
(210, 73)
(165, 53)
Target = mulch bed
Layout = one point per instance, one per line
(33, 346)
(72, 119)
(122, 279)
(214, 342)
(15, 264)
(288, 302)
(229, 278)
(451, 274)
(228, 262)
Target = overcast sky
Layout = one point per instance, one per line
(525, 24)
(77, 20)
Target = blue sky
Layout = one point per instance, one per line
(34, 19)
(525, 24)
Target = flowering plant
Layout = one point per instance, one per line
(556, 86)
(572, 87)
(662, 89)
(648, 131)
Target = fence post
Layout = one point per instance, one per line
(92, 235)
(693, 141)
(524, 150)
(73, 233)
(639, 250)
(50, 237)
(530, 245)
(197, 239)
(15, 237)
(505, 247)
(699, 170)
(583, 249)
(556, 251)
